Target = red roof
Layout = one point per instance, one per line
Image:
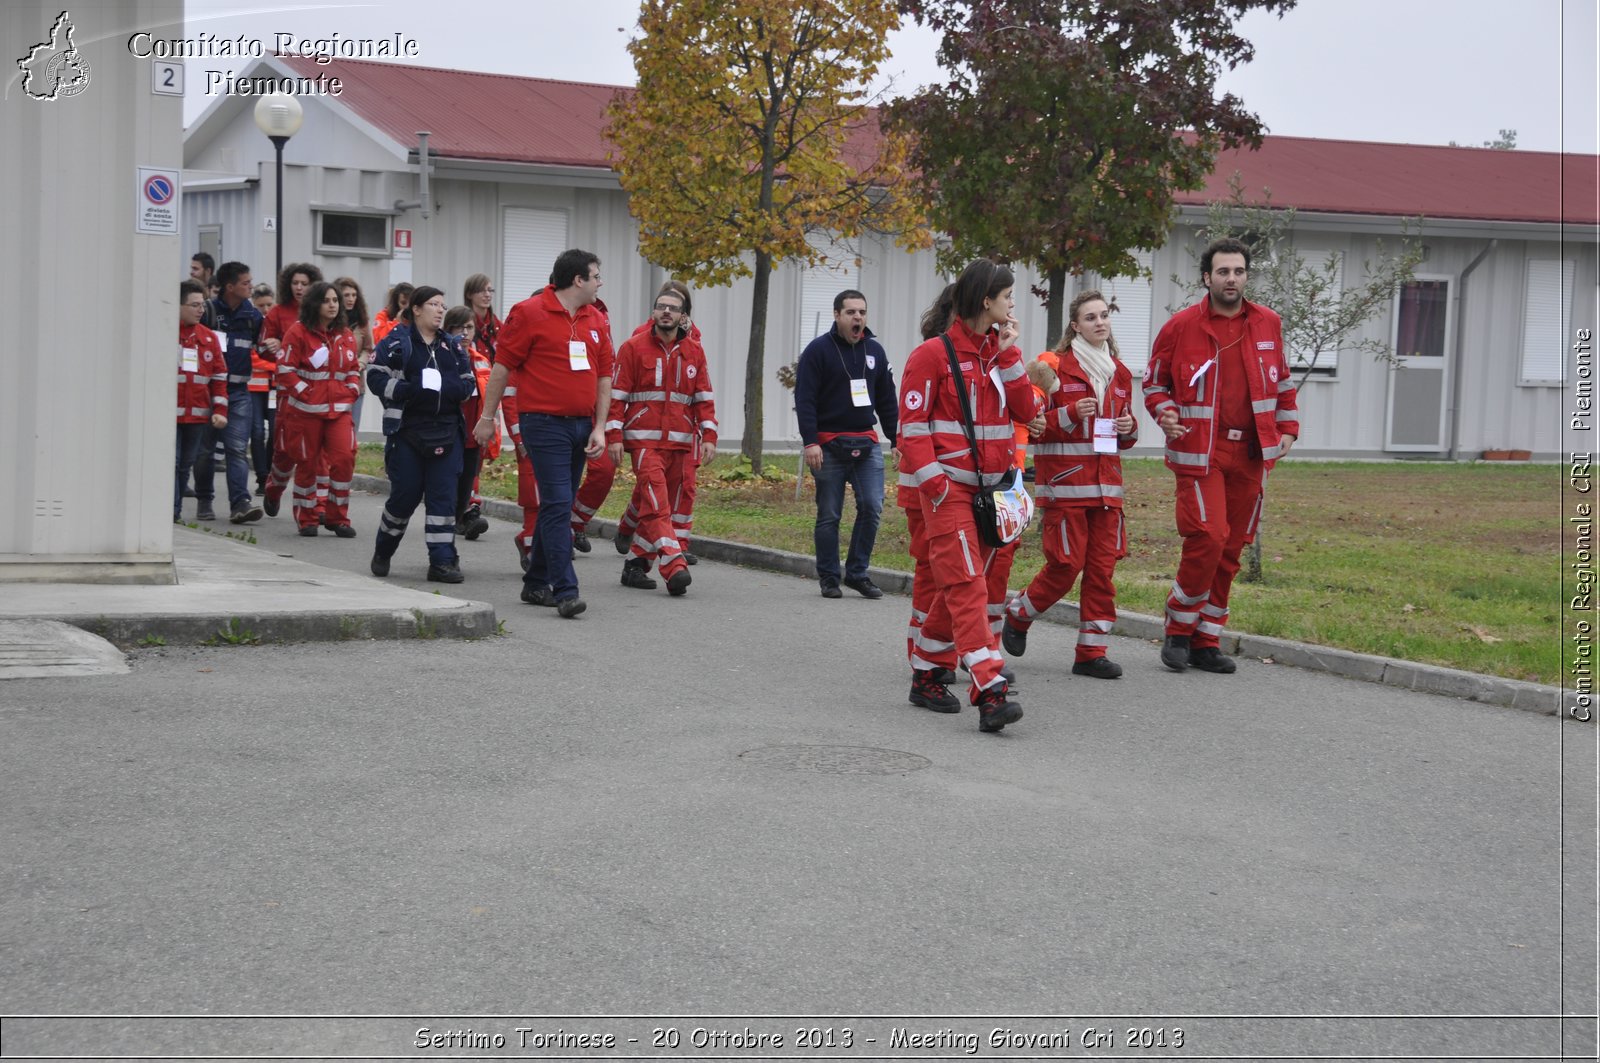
(534, 120)
(473, 115)
(1358, 177)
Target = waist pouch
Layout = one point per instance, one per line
(850, 446)
(431, 437)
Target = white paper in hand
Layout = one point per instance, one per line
(1105, 435)
(430, 378)
(319, 357)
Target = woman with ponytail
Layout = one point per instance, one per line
(1078, 484)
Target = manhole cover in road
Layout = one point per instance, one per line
(837, 760)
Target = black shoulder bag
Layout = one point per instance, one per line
(984, 511)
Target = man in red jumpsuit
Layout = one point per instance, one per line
(662, 413)
(1218, 386)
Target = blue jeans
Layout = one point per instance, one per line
(235, 441)
(555, 448)
(261, 419)
(190, 436)
(865, 477)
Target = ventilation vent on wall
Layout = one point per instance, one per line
(49, 507)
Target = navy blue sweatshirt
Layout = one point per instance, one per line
(822, 387)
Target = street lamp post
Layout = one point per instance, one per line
(279, 116)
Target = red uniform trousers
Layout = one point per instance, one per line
(997, 580)
(285, 466)
(929, 641)
(315, 444)
(598, 475)
(681, 473)
(653, 538)
(1217, 515)
(1077, 539)
(959, 562)
(528, 499)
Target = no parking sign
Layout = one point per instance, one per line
(156, 211)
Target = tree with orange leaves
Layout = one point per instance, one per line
(749, 129)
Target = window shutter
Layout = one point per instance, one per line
(532, 241)
(818, 286)
(1544, 326)
(1130, 324)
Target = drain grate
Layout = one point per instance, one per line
(836, 760)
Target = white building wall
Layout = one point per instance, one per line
(1345, 415)
(86, 485)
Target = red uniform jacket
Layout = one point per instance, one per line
(1067, 471)
(326, 390)
(933, 442)
(204, 391)
(1183, 375)
(660, 398)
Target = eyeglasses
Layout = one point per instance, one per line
(673, 307)
(194, 306)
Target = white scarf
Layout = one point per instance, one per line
(1097, 364)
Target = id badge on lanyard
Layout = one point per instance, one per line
(189, 359)
(858, 392)
(577, 356)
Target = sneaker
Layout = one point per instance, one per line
(830, 589)
(245, 514)
(928, 693)
(205, 512)
(580, 542)
(343, 531)
(308, 530)
(270, 504)
(379, 566)
(540, 596)
(864, 587)
(1098, 668)
(623, 543)
(690, 559)
(635, 574)
(944, 676)
(995, 709)
(678, 582)
(570, 607)
(523, 559)
(476, 523)
(1175, 652)
(1210, 659)
(261, 490)
(450, 573)
(1015, 640)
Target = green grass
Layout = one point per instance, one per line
(1457, 565)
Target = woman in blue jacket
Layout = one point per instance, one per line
(422, 376)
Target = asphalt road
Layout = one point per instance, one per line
(723, 805)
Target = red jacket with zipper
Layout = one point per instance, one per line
(1066, 469)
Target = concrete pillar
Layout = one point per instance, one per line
(89, 366)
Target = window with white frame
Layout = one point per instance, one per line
(353, 233)
(1328, 361)
(1544, 324)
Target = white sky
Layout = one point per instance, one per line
(1410, 71)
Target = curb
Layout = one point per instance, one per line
(468, 620)
(1390, 671)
